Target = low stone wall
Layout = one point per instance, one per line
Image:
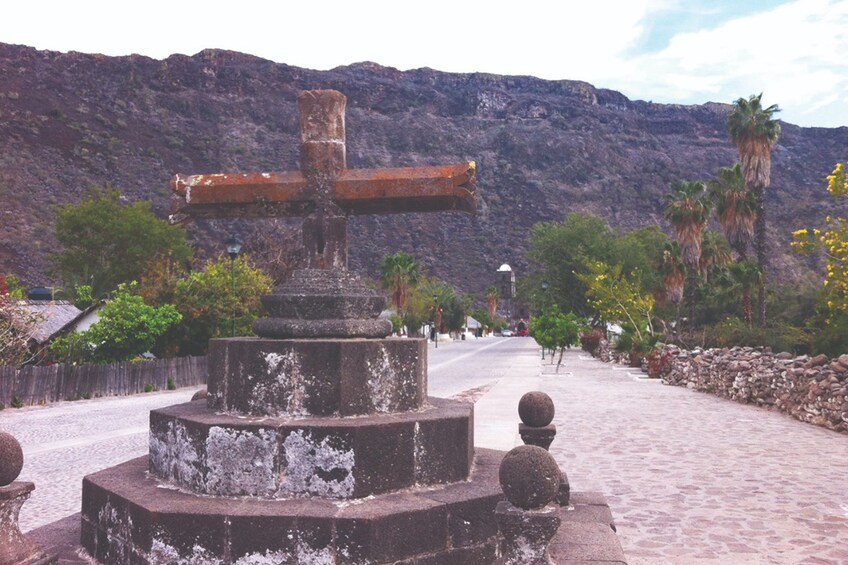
(39, 385)
(813, 390)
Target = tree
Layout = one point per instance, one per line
(398, 272)
(106, 243)
(555, 330)
(619, 298)
(674, 277)
(753, 131)
(563, 249)
(16, 326)
(214, 301)
(735, 208)
(127, 328)
(833, 239)
(492, 295)
(746, 274)
(688, 210)
(715, 252)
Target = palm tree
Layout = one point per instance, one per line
(397, 273)
(688, 211)
(492, 296)
(714, 251)
(674, 276)
(753, 131)
(736, 208)
(746, 274)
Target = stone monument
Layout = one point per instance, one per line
(316, 443)
(15, 548)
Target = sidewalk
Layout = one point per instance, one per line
(690, 478)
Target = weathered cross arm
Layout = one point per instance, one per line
(356, 192)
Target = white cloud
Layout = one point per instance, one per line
(795, 54)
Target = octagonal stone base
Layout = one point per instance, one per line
(223, 455)
(129, 518)
(316, 377)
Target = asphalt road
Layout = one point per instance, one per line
(65, 441)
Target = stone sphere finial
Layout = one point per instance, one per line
(11, 459)
(529, 477)
(536, 409)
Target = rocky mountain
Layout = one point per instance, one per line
(543, 149)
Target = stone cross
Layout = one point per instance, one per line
(324, 191)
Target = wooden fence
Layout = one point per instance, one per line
(39, 385)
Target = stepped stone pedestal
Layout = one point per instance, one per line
(306, 450)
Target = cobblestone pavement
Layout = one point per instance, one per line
(692, 478)
(65, 441)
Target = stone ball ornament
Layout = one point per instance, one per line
(11, 459)
(536, 409)
(529, 477)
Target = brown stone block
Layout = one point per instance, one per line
(444, 450)
(262, 535)
(188, 536)
(322, 159)
(482, 554)
(587, 541)
(318, 377)
(322, 115)
(394, 527)
(218, 454)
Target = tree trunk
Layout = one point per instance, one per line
(760, 236)
(747, 307)
(692, 275)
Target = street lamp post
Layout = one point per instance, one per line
(233, 244)
(436, 320)
(545, 287)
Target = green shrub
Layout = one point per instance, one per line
(17, 402)
(171, 384)
(732, 332)
(149, 388)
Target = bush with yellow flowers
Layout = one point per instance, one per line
(833, 239)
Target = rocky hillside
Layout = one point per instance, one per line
(543, 148)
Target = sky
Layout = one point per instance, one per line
(672, 51)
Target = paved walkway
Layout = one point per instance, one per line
(65, 441)
(691, 478)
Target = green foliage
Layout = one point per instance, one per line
(453, 306)
(417, 310)
(172, 385)
(397, 323)
(127, 328)
(688, 211)
(83, 296)
(17, 402)
(216, 302)
(149, 388)
(398, 273)
(12, 287)
(556, 330)
(106, 242)
(619, 298)
(564, 250)
(16, 329)
(780, 337)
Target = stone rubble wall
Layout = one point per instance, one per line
(810, 389)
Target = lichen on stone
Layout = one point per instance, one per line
(308, 461)
(240, 462)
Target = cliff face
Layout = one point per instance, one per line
(543, 148)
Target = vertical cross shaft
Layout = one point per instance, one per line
(322, 159)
